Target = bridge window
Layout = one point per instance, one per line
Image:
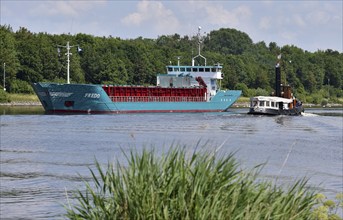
(207, 69)
(170, 69)
(262, 103)
(182, 69)
(195, 69)
(214, 70)
(176, 69)
(189, 69)
(201, 69)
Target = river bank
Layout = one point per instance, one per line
(21, 103)
(236, 105)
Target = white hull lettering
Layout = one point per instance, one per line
(60, 94)
(92, 95)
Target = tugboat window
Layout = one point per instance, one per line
(201, 69)
(195, 69)
(267, 103)
(273, 104)
(170, 69)
(207, 69)
(261, 103)
(182, 69)
(189, 69)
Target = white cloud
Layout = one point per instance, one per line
(298, 20)
(217, 14)
(289, 36)
(153, 13)
(64, 8)
(265, 23)
(318, 17)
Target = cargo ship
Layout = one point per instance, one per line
(281, 102)
(184, 88)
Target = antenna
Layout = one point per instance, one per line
(178, 60)
(68, 56)
(199, 47)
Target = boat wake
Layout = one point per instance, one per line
(309, 114)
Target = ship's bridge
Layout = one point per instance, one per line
(212, 72)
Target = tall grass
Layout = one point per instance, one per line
(16, 97)
(177, 186)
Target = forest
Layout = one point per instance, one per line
(27, 57)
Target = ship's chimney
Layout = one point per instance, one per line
(277, 80)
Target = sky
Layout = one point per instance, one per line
(309, 25)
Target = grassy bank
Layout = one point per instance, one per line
(17, 97)
(182, 186)
(23, 98)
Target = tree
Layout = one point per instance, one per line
(228, 41)
(8, 54)
(29, 57)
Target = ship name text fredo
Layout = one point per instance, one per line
(92, 95)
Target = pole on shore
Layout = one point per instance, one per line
(4, 76)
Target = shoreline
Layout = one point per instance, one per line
(235, 105)
(21, 103)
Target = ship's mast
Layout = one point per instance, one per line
(199, 47)
(68, 58)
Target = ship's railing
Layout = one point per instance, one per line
(156, 99)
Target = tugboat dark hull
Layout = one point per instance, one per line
(271, 112)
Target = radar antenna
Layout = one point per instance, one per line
(199, 47)
(68, 56)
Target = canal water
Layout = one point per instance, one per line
(45, 157)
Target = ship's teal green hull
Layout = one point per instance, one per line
(82, 98)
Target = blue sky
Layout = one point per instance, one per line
(310, 25)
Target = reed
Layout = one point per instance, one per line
(176, 185)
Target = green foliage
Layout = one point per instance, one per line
(8, 54)
(178, 185)
(327, 209)
(244, 88)
(19, 86)
(228, 41)
(4, 97)
(33, 57)
(258, 92)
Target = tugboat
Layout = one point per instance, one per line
(185, 88)
(282, 102)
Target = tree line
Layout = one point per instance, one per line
(29, 57)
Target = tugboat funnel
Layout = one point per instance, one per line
(277, 80)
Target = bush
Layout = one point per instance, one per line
(4, 97)
(258, 92)
(19, 86)
(244, 88)
(315, 99)
(324, 102)
(174, 186)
